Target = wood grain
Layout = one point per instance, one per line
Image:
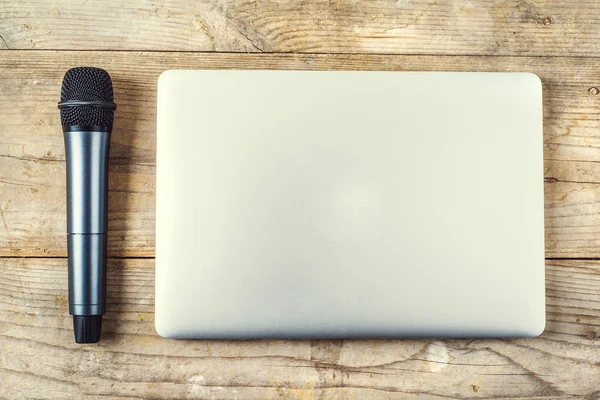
(558, 40)
(32, 175)
(39, 359)
(459, 27)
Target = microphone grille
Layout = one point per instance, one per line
(87, 84)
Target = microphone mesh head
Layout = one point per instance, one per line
(87, 84)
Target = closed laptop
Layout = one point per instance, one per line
(338, 204)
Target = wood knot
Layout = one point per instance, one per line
(592, 335)
(163, 13)
(547, 21)
(594, 90)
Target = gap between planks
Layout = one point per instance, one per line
(300, 53)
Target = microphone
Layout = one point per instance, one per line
(86, 114)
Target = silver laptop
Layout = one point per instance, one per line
(312, 204)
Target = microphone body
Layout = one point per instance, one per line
(86, 154)
(87, 112)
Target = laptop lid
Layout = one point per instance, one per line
(304, 204)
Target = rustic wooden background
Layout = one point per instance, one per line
(137, 39)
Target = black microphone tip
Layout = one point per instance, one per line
(87, 328)
(86, 98)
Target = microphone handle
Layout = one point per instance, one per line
(86, 151)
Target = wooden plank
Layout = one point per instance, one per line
(32, 182)
(38, 357)
(460, 27)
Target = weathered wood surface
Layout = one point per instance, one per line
(558, 40)
(466, 27)
(38, 357)
(32, 175)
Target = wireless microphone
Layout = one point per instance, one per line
(86, 113)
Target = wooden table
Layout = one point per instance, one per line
(135, 40)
